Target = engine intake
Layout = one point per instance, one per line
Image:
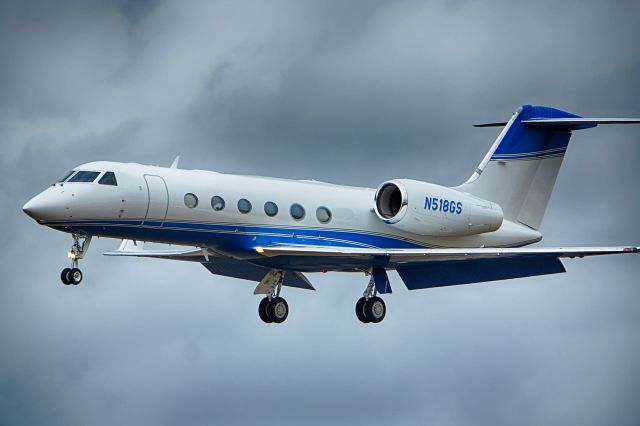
(390, 200)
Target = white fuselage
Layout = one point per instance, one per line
(148, 204)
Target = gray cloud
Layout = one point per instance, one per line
(352, 92)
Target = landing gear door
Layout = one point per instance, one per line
(158, 202)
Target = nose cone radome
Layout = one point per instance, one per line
(43, 207)
(35, 209)
(28, 209)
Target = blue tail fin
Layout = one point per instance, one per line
(525, 142)
(520, 169)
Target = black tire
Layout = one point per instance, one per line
(278, 310)
(375, 310)
(262, 310)
(75, 276)
(360, 310)
(64, 276)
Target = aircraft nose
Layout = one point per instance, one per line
(27, 208)
(41, 207)
(34, 208)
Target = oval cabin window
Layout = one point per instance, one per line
(323, 214)
(270, 208)
(190, 200)
(297, 211)
(244, 205)
(217, 203)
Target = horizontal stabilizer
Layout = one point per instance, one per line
(553, 122)
(500, 124)
(568, 123)
(572, 123)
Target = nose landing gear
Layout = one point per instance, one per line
(73, 275)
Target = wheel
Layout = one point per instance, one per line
(360, 310)
(375, 309)
(278, 310)
(262, 310)
(75, 276)
(64, 276)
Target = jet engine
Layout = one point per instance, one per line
(433, 210)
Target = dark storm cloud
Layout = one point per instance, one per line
(352, 92)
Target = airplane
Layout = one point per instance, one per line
(273, 231)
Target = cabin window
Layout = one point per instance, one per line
(84, 177)
(190, 200)
(297, 211)
(217, 203)
(109, 178)
(67, 176)
(323, 214)
(270, 208)
(244, 205)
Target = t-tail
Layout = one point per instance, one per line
(520, 170)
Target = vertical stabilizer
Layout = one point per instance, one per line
(520, 169)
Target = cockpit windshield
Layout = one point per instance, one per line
(65, 177)
(84, 176)
(109, 178)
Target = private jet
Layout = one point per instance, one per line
(273, 231)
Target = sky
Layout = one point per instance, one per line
(348, 92)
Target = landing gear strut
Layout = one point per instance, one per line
(273, 308)
(370, 307)
(73, 275)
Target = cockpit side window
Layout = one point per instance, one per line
(65, 177)
(84, 176)
(109, 178)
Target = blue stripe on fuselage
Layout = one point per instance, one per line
(235, 237)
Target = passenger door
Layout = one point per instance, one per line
(158, 203)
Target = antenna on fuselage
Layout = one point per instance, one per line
(174, 165)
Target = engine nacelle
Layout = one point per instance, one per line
(433, 210)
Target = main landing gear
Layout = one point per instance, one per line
(73, 275)
(370, 308)
(273, 308)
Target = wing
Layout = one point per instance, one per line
(400, 256)
(425, 268)
(136, 249)
(218, 265)
(242, 269)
